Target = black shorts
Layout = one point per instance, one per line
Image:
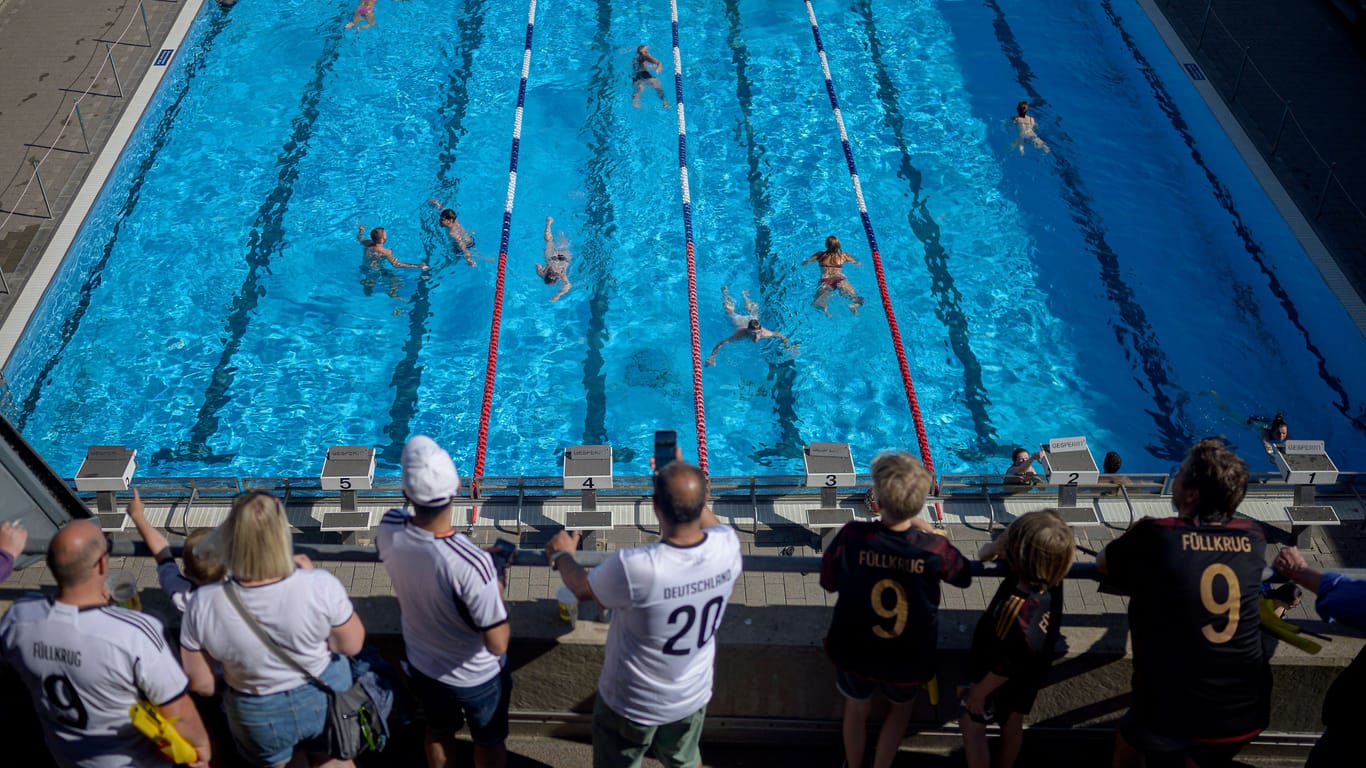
(857, 688)
(1162, 751)
(641, 75)
(1016, 694)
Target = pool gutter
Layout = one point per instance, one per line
(65, 233)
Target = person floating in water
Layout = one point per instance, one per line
(375, 250)
(1274, 435)
(746, 325)
(641, 76)
(464, 239)
(1022, 467)
(832, 261)
(557, 257)
(1026, 125)
(365, 9)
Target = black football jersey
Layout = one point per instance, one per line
(886, 625)
(1199, 668)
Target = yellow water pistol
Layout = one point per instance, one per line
(157, 727)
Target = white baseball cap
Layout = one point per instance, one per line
(429, 476)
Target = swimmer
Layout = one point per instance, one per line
(832, 261)
(1026, 125)
(746, 325)
(1275, 434)
(464, 239)
(557, 257)
(1022, 467)
(641, 76)
(375, 250)
(365, 9)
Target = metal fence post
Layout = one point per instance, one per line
(1281, 128)
(1237, 81)
(41, 187)
(1332, 171)
(1209, 6)
(142, 7)
(109, 54)
(80, 119)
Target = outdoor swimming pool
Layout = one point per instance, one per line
(1134, 285)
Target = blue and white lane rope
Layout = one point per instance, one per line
(492, 369)
(698, 404)
(872, 247)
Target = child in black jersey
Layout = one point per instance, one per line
(884, 630)
(1015, 638)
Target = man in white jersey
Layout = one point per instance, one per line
(668, 598)
(86, 662)
(455, 625)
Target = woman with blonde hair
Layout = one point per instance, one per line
(273, 710)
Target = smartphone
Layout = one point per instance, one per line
(666, 447)
(502, 552)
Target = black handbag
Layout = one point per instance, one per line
(354, 723)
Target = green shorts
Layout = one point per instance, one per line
(619, 742)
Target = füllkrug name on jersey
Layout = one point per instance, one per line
(1204, 542)
(701, 585)
(53, 653)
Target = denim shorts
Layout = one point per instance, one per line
(483, 706)
(267, 729)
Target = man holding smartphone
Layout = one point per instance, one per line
(668, 598)
(455, 625)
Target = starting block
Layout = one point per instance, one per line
(1068, 463)
(588, 468)
(828, 467)
(347, 468)
(105, 470)
(1305, 464)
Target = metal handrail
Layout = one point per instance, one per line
(75, 113)
(1287, 111)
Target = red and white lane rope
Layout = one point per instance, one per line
(872, 247)
(485, 412)
(698, 404)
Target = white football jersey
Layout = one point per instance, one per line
(85, 667)
(667, 603)
(448, 593)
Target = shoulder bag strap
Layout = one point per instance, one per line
(231, 589)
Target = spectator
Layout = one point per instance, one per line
(1016, 637)
(86, 663)
(200, 567)
(1022, 467)
(1201, 680)
(884, 631)
(1340, 598)
(455, 625)
(668, 599)
(13, 537)
(273, 710)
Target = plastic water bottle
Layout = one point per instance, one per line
(569, 606)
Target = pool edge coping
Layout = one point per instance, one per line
(54, 253)
(1332, 274)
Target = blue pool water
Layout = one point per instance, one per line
(1135, 285)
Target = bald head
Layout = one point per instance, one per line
(680, 492)
(74, 553)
